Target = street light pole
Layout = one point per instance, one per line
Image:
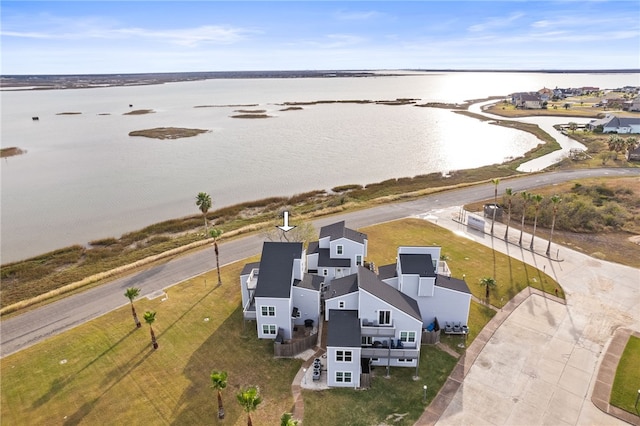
(424, 394)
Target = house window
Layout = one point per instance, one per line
(339, 249)
(404, 360)
(358, 260)
(408, 336)
(341, 304)
(268, 311)
(343, 356)
(367, 340)
(269, 329)
(325, 272)
(384, 318)
(343, 376)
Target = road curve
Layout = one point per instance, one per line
(22, 331)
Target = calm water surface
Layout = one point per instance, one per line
(84, 178)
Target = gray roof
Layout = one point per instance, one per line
(417, 264)
(387, 271)
(344, 329)
(309, 281)
(452, 284)
(622, 121)
(341, 286)
(369, 282)
(325, 259)
(276, 267)
(338, 230)
(246, 270)
(313, 247)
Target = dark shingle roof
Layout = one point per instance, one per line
(369, 282)
(342, 286)
(344, 329)
(452, 284)
(249, 267)
(387, 271)
(309, 281)
(417, 264)
(313, 247)
(324, 259)
(276, 267)
(338, 230)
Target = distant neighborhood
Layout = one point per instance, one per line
(374, 316)
(628, 101)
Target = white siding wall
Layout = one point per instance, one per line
(308, 303)
(312, 261)
(350, 302)
(350, 250)
(426, 286)
(393, 362)
(323, 243)
(244, 290)
(371, 305)
(334, 366)
(282, 319)
(446, 305)
(408, 284)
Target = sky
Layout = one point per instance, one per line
(104, 37)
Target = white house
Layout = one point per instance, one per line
(372, 319)
(613, 124)
(438, 294)
(338, 252)
(343, 349)
(277, 293)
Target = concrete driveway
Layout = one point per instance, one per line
(540, 365)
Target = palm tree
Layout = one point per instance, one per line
(287, 420)
(215, 234)
(219, 382)
(203, 201)
(509, 193)
(149, 318)
(555, 200)
(573, 126)
(249, 399)
(525, 198)
(131, 294)
(494, 181)
(537, 199)
(487, 282)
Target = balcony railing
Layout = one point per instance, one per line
(369, 328)
(249, 310)
(404, 353)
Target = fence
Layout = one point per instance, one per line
(293, 348)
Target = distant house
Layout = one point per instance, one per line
(632, 105)
(545, 94)
(373, 319)
(526, 100)
(614, 124)
(634, 154)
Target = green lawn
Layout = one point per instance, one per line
(627, 381)
(106, 371)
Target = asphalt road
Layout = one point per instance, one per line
(27, 329)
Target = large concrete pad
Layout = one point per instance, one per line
(531, 372)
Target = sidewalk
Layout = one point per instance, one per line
(536, 361)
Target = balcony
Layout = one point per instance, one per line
(369, 328)
(252, 280)
(443, 269)
(403, 353)
(249, 311)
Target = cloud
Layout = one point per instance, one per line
(81, 30)
(358, 15)
(495, 23)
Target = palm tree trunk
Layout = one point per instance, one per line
(521, 229)
(533, 236)
(553, 224)
(249, 420)
(220, 407)
(215, 246)
(154, 342)
(487, 292)
(135, 316)
(506, 233)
